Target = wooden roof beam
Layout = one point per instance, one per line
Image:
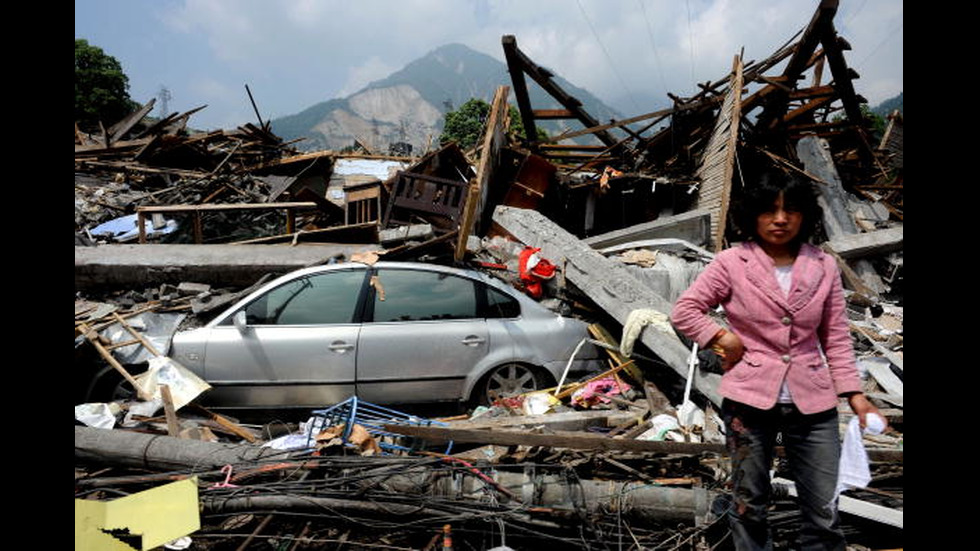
(820, 23)
(519, 64)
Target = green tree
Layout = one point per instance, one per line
(876, 122)
(873, 122)
(465, 125)
(101, 88)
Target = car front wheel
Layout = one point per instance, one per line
(508, 380)
(108, 385)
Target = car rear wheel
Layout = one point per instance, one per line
(509, 380)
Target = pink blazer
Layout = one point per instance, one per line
(783, 337)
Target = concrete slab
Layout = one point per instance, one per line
(135, 266)
(878, 242)
(693, 227)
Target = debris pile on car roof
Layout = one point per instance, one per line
(611, 230)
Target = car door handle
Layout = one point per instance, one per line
(473, 340)
(341, 346)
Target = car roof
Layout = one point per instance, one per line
(531, 308)
(389, 264)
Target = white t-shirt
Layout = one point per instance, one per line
(784, 275)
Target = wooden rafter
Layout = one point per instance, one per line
(519, 65)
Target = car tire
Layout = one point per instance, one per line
(507, 380)
(108, 385)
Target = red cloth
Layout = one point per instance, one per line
(532, 276)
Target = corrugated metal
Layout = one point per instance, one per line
(715, 171)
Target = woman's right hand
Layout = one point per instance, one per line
(729, 347)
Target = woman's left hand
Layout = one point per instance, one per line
(861, 407)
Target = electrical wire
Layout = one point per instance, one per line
(341, 477)
(690, 34)
(609, 59)
(896, 30)
(653, 46)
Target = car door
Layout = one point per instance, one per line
(421, 336)
(296, 347)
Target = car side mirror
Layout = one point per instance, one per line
(239, 320)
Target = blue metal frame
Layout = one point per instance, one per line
(373, 418)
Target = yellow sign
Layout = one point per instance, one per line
(141, 521)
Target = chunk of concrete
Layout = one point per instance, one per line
(878, 242)
(401, 234)
(692, 226)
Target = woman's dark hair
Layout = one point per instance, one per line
(798, 195)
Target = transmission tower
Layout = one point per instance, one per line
(165, 98)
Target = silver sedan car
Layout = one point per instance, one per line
(389, 333)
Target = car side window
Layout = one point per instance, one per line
(413, 295)
(499, 305)
(314, 300)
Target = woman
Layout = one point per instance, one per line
(787, 357)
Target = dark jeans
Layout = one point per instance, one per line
(812, 445)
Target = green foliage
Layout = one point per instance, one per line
(465, 125)
(876, 122)
(101, 88)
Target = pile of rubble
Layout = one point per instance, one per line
(632, 455)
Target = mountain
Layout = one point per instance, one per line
(409, 105)
(886, 107)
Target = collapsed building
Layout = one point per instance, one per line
(629, 217)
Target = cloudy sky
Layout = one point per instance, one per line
(293, 54)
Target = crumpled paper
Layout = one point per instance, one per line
(98, 415)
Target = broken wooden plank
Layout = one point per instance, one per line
(198, 210)
(173, 425)
(571, 388)
(519, 64)
(601, 334)
(566, 420)
(556, 439)
(225, 422)
(851, 278)
(494, 140)
(136, 334)
(93, 337)
(119, 129)
(801, 59)
(717, 166)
